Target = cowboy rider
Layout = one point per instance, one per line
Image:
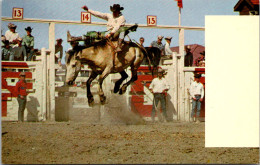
(115, 21)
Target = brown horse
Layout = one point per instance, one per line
(103, 60)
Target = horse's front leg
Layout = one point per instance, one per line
(133, 79)
(92, 76)
(104, 74)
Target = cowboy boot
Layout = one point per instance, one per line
(71, 38)
(119, 47)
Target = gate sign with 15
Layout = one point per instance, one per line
(85, 17)
(151, 20)
(17, 13)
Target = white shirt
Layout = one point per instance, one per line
(196, 89)
(159, 85)
(167, 49)
(10, 36)
(113, 24)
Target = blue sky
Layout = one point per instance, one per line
(136, 11)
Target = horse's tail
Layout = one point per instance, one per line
(153, 55)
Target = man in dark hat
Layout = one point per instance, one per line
(115, 22)
(21, 96)
(28, 43)
(197, 94)
(188, 60)
(11, 35)
(7, 52)
(201, 58)
(159, 88)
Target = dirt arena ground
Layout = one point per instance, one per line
(120, 143)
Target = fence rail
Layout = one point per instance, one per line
(33, 20)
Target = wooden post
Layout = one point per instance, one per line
(188, 76)
(44, 94)
(52, 71)
(181, 76)
(174, 99)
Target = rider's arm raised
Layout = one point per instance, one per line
(99, 14)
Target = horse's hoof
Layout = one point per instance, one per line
(102, 100)
(90, 101)
(122, 90)
(116, 89)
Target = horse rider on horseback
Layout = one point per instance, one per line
(115, 25)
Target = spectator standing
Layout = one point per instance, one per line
(7, 53)
(19, 50)
(197, 94)
(141, 41)
(201, 58)
(168, 51)
(159, 88)
(158, 44)
(58, 51)
(21, 96)
(11, 35)
(28, 43)
(188, 60)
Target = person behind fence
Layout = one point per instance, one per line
(7, 52)
(158, 44)
(21, 96)
(115, 25)
(19, 50)
(141, 41)
(197, 95)
(58, 51)
(28, 43)
(199, 59)
(188, 60)
(159, 88)
(168, 51)
(11, 35)
(3, 40)
(202, 64)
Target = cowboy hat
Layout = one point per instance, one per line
(22, 74)
(6, 42)
(116, 7)
(10, 25)
(160, 37)
(202, 53)
(168, 38)
(59, 39)
(28, 29)
(188, 47)
(160, 70)
(197, 76)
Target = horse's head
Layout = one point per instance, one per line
(73, 67)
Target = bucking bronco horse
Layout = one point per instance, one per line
(103, 60)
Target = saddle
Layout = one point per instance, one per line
(96, 36)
